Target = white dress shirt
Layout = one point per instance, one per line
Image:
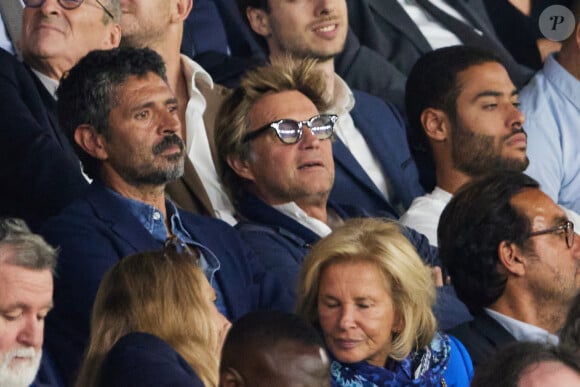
(343, 102)
(435, 33)
(197, 143)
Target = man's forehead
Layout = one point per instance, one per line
(491, 77)
(278, 105)
(138, 88)
(537, 207)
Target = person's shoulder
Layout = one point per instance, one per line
(460, 367)
(143, 359)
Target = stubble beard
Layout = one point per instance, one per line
(476, 154)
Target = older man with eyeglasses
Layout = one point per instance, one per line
(38, 166)
(275, 149)
(513, 260)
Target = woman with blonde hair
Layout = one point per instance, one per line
(154, 322)
(367, 290)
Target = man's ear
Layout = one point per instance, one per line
(113, 37)
(90, 141)
(435, 124)
(180, 10)
(511, 258)
(231, 378)
(241, 167)
(259, 21)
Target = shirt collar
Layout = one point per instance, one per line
(562, 80)
(343, 99)
(523, 331)
(194, 74)
(293, 211)
(50, 84)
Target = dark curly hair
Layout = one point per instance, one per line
(88, 91)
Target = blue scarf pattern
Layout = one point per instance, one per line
(425, 367)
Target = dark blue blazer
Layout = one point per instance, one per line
(96, 231)
(39, 170)
(143, 360)
(385, 27)
(281, 243)
(482, 336)
(384, 131)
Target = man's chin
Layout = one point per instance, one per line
(19, 370)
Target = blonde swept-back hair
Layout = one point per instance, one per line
(381, 243)
(232, 123)
(160, 293)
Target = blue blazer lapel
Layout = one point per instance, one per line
(395, 15)
(343, 157)
(120, 220)
(384, 136)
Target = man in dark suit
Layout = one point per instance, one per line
(513, 260)
(374, 167)
(277, 162)
(401, 33)
(40, 171)
(117, 107)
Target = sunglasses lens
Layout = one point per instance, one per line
(288, 131)
(322, 126)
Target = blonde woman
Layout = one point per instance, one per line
(154, 323)
(367, 290)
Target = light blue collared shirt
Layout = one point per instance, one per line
(551, 103)
(522, 331)
(152, 219)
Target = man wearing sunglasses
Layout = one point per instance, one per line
(513, 259)
(374, 167)
(275, 150)
(38, 166)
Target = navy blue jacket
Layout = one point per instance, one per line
(39, 170)
(143, 360)
(281, 243)
(96, 231)
(482, 336)
(385, 133)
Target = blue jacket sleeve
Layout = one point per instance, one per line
(459, 369)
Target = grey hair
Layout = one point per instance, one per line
(29, 250)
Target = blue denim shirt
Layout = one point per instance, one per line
(152, 219)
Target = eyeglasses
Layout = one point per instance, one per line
(567, 228)
(290, 131)
(174, 243)
(66, 4)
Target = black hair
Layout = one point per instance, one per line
(472, 226)
(87, 92)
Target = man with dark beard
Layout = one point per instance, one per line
(463, 106)
(122, 117)
(374, 168)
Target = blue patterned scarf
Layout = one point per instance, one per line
(425, 367)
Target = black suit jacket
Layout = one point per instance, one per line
(39, 170)
(384, 27)
(482, 336)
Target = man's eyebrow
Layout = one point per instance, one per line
(493, 93)
(559, 220)
(22, 305)
(148, 104)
